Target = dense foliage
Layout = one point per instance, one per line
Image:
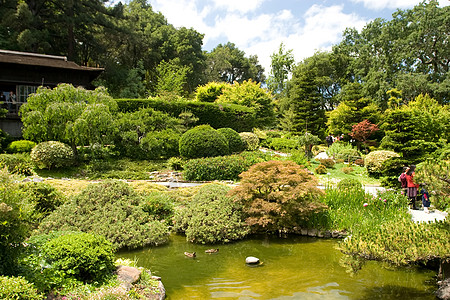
(436, 176)
(250, 140)
(15, 217)
(19, 163)
(250, 94)
(211, 217)
(18, 288)
(52, 154)
(277, 195)
(147, 134)
(86, 257)
(74, 116)
(21, 146)
(112, 209)
(203, 141)
(221, 167)
(374, 160)
(393, 242)
(237, 117)
(234, 139)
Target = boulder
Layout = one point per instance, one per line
(252, 260)
(444, 290)
(128, 274)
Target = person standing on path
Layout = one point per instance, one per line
(411, 190)
(402, 180)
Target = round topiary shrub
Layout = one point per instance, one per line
(18, 288)
(250, 140)
(22, 146)
(52, 154)
(375, 159)
(203, 141)
(234, 139)
(84, 256)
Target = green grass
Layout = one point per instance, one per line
(336, 174)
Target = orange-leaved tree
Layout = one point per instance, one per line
(277, 195)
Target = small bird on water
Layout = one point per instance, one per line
(190, 254)
(212, 251)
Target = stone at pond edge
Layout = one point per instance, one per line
(128, 274)
(252, 260)
(444, 290)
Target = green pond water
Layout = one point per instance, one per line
(293, 268)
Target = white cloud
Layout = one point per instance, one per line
(391, 4)
(261, 34)
(242, 6)
(323, 27)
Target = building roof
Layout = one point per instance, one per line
(35, 59)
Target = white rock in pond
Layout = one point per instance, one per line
(252, 260)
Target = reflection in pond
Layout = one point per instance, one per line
(292, 268)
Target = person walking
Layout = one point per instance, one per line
(411, 190)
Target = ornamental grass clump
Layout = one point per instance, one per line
(211, 217)
(401, 242)
(111, 208)
(277, 195)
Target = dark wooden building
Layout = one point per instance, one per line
(21, 73)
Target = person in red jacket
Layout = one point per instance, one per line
(411, 190)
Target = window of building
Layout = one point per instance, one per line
(24, 91)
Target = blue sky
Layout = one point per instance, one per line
(259, 26)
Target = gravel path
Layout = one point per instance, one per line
(421, 216)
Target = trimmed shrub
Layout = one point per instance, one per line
(349, 183)
(22, 146)
(111, 208)
(217, 115)
(211, 217)
(84, 256)
(234, 139)
(282, 144)
(327, 162)
(52, 154)
(374, 160)
(18, 288)
(250, 140)
(321, 169)
(18, 163)
(203, 141)
(221, 167)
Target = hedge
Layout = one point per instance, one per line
(237, 117)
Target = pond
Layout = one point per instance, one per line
(292, 268)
